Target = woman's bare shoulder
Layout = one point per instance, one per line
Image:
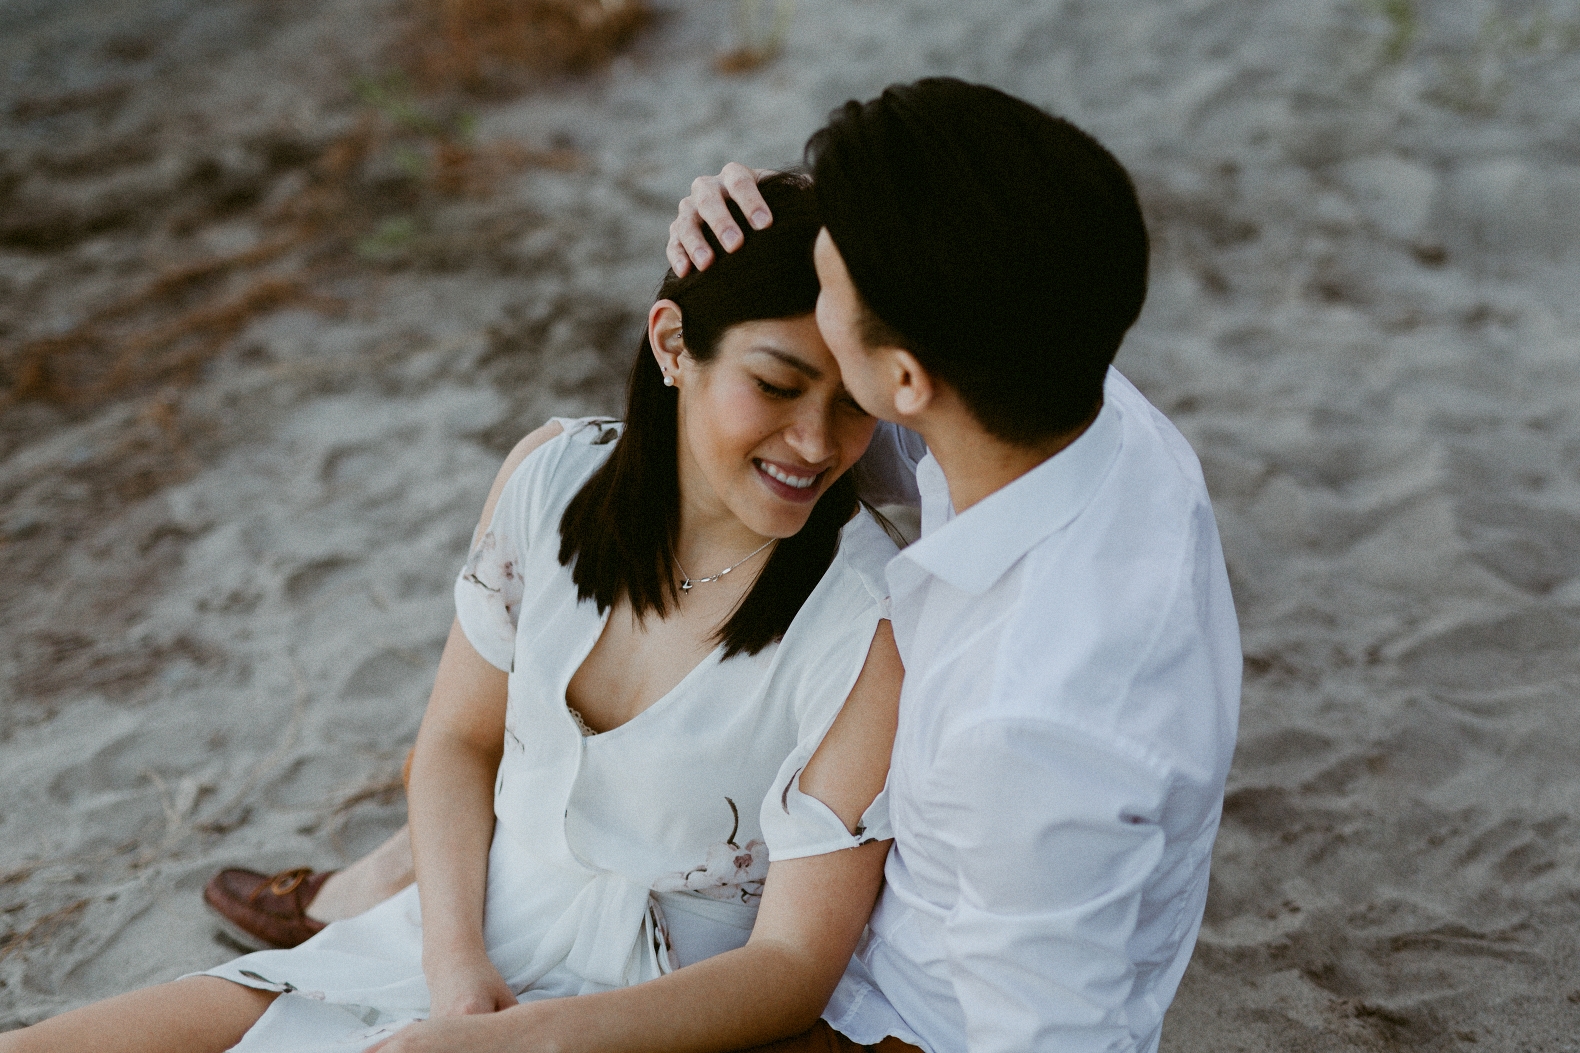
(852, 762)
(524, 448)
(520, 453)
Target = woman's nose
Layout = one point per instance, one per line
(811, 434)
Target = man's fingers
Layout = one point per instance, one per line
(708, 206)
(679, 262)
(707, 197)
(740, 183)
(686, 243)
(687, 232)
(696, 247)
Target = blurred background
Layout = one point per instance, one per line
(281, 282)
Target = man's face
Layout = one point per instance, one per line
(839, 316)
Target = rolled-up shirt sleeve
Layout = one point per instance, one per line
(1057, 833)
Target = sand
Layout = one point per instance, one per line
(223, 595)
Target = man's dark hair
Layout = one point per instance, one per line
(1002, 246)
(618, 533)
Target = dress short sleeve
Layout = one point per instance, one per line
(837, 622)
(490, 587)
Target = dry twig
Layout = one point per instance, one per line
(43, 928)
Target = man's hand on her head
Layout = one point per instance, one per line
(707, 203)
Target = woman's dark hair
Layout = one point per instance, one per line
(618, 534)
(1002, 246)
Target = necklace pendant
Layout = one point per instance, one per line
(687, 581)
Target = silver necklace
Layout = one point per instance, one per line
(685, 586)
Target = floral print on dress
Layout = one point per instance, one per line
(730, 871)
(492, 567)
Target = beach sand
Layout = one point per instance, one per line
(224, 590)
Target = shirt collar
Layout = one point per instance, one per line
(972, 550)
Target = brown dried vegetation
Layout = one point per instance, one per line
(40, 930)
(762, 35)
(493, 46)
(167, 330)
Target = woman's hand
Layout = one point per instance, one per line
(469, 985)
(707, 203)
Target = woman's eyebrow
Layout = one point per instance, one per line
(811, 371)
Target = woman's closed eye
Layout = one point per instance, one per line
(775, 391)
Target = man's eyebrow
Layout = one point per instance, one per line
(811, 371)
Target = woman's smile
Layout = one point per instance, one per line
(788, 483)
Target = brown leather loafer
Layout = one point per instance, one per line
(262, 911)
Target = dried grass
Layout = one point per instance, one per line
(382, 791)
(494, 46)
(744, 60)
(69, 368)
(762, 36)
(42, 929)
(167, 330)
(475, 169)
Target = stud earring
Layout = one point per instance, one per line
(669, 381)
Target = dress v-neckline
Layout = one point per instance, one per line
(585, 652)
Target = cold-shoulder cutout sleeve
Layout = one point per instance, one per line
(489, 589)
(842, 614)
(808, 827)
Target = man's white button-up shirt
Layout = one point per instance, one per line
(1072, 684)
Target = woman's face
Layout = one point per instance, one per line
(766, 425)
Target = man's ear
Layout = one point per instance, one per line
(667, 338)
(913, 387)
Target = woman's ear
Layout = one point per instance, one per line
(667, 338)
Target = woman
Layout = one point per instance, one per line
(668, 667)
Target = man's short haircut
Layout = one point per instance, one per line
(1002, 246)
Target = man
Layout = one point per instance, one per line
(1071, 652)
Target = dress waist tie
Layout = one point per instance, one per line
(613, 934)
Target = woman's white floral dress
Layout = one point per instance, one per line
(620, 856)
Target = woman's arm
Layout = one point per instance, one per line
(452, 806)
(452, 824)
(812, 914)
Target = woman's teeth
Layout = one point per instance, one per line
(800, 482)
